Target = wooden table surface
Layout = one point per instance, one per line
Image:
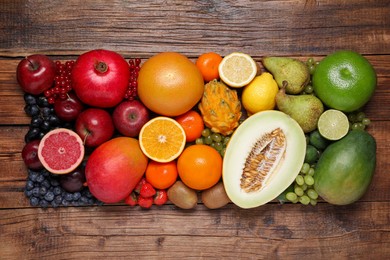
(65, 29)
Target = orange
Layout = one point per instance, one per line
(170, 84)
(161, 175)
(208, 64)
(237, 69)
(200, 166)
(344, 80)
(192, 123)
(162, 139)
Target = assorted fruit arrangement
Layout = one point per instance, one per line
(219, 130)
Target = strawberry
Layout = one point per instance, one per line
(147, 190)
(145, 203)
(161, 197)
(132, 199)
(137, 188)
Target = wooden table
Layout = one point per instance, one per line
(65, 29)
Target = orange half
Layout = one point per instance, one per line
(162, 139)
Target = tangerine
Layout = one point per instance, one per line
(192, 123)
(200, 166)
(208, 64)
(161, 175)
(170, 84)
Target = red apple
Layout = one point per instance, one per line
(30, 155)
(94, 126)
(69, 109)
(114, 168)
(129, 117)
(36, 73)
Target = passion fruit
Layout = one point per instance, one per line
(262, 159)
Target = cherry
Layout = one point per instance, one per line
(68, 110)
(30, 155)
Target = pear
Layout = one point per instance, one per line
(294, 71)
(305, 109)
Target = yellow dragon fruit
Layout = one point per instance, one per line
(220, 107)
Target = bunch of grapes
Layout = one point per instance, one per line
(358, 120)
(134, 65)
(215, 140)
(302, 190)
(62, 82)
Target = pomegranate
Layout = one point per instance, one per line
(100, 78)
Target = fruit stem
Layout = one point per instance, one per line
(33, 65)
(101, 66)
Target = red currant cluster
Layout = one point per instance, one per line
(131, 92)
(62, 82)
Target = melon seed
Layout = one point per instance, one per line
(262, 160)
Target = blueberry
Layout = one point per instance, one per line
(43, 203)
(57, 190)
(32, 176)
(68, 196)
(83, 200)
(40, 178)
(29, 185)
(49, 196)
(54, 204)
(28, 193)
(46, 184)
(54, 182)
(42, 191)
(76, 195)
(35, 192)
(65, 202)
(58, 199)
(34, 201)
(45, 173)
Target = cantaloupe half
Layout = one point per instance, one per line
(263, 157)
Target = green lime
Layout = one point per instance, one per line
(333, 124)
(317, 140)
(344, 80)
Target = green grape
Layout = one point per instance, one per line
(223, 151)
(312, 194)
(352, 117)
(218, 146)
(366, 121)
(308, 89)
(291, 196)
(298, 191)
(313, 202)
(226, 139)
(199, 140)
(310, 61)
(216, 137)
(360, 116)
(311, 171)
(358, 126)
(207, 140)
(305, 200)
(312, 68)
(206, 132)
(304, 187)
(299, 180)
(305, 168)
(309, 180)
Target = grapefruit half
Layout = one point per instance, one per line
(61, 150)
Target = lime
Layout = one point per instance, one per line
(344, 80)
(333, 124)
(260, 94)
(317, 140)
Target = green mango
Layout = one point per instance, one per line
(345, 169)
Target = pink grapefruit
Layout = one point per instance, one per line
(61, 151)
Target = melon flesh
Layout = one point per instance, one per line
(281, 175)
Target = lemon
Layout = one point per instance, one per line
(237, 69)
(260, 94)
(344, 80)
(333, 124)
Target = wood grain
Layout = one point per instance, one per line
(271, 231)
(301, 29)
(192, 27)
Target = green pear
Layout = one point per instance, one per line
(305, 109)
(293, 71)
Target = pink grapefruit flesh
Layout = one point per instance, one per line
(61, 151)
